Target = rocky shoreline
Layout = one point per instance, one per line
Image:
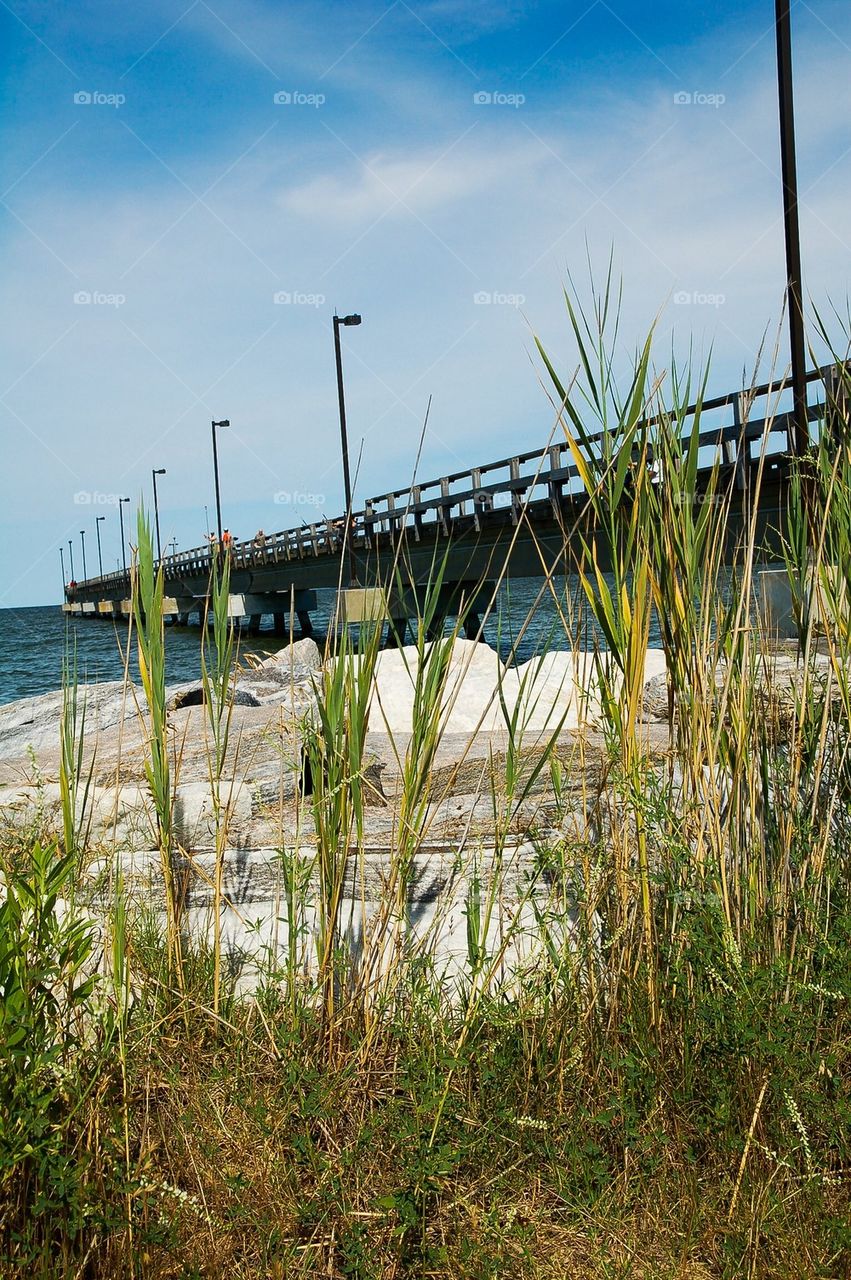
(262, 768)
(262, 784)
(554, 694)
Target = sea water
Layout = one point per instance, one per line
(528, 618)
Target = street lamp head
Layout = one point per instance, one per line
(123, 499)
(347, 320)
(97, 518)
(225, 422)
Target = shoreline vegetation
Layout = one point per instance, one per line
(384, 964)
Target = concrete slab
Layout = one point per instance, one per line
(774, 603)
(364, 604)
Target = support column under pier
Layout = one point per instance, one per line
(470, 601)
(472, 625)
(282, 605)
(397, 630)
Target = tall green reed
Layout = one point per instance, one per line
(334, 751)
(614, 471)
(147, 601)
(651, 544)
(217, 682)
(74, 780)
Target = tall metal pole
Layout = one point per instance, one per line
(154, 473)
(64, 579)
(216, 478)
(799, 435)
(121, 522)
(344, 439)
(97, 531)
(71, 554)
(83, 541)
(347, 483)
(225, 422)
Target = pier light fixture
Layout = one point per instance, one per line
(97, 531)
(225, 422)
(62, 560)
(348, 321)
(121, 523)
(83, 541)
(157, 471)
(71, 554)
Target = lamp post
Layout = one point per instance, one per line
(121, 522)
(160, 471)
(225, 422)
(799, 435)
(83, 541)
(71, 554)
(97, 531)
(347, 483)
(64, 579)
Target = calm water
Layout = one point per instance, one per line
(32, 641)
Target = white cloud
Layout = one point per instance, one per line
(360, 190)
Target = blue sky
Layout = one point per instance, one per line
(175, 240)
